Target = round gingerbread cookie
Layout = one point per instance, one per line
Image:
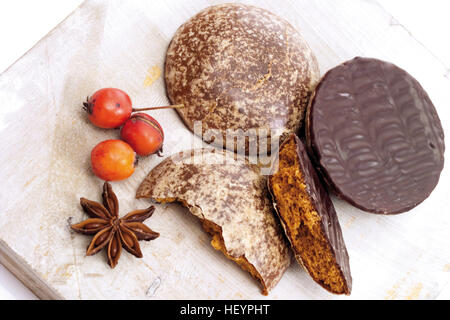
(241, 72)
(375, 136)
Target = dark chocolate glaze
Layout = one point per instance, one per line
(324, 207)
(375, 136)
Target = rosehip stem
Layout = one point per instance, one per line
(177, 106)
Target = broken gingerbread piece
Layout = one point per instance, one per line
(230, 198)
(309, 218)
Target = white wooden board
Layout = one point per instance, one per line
(46, 141)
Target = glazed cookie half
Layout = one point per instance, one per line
(230, 198)
(309, 218)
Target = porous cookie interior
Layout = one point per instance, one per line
(218, 243)
(302, 223)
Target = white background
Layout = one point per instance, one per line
(25, 22)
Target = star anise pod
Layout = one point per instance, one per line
(111, 231)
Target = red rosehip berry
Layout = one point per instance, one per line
(144, 134)
(108, 108)
(113, 160)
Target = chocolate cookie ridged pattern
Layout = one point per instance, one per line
(231, 199)
(375, 136)
(239, 67)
